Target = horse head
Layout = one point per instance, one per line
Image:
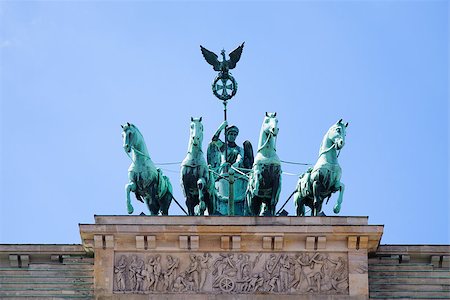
(127, 137)
(270, 123)
(132, 138)
(196, 133)
(337, 134)
(269, 129)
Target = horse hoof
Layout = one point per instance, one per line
(130, 210)
(336, 209)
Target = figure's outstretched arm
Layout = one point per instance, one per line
(219, 130)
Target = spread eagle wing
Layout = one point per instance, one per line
(235, 55)
(211, 58)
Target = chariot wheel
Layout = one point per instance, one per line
(224, 86)
(226, 284)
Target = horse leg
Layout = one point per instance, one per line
(165, 204)
(190, 205)
(337, 206)
(317, 202)
(201, 197)
(130, 187)
(152, 205)
(209, 200)
(299, 204)
(255, 206)
(275, 195)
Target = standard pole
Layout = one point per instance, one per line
(227, 171)
(226, 138)
(231, 192)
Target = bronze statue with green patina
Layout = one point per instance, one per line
(146, 181)
(264, 185)
(324, 179)
(227, 156)
(224, 86)
(196, 181)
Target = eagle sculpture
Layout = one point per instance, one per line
(224, 65)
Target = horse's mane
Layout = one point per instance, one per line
(325, 137)
(324, 140)
(136, 129)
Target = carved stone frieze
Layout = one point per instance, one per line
(231, 273)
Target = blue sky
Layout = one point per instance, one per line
(72, 71)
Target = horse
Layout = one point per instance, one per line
(195, 176)
(264, 184)
(324, 178)
(145, 180)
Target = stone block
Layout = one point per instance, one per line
(225, 242)
(184, 242)
(405, 258)
(358, 261)
(267, 242)
(24, 261)
(321, 242)
(358, 285)
(435, 260)
(278, 243)
(194, 242)
(352, 242)
(109, 241)
(140, 242)
(98, 241)
(363, 242)
(310, 242)
(236, 242)
(14, 260)
(56, 257)
(446, 261)
(151, 242)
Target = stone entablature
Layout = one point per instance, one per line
(137, 255)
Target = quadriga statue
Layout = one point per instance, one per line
(264, 185)
(198, 186)
(146, 181)
(324, 178)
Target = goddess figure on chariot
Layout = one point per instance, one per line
(223, 157)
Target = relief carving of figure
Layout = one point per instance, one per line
(338, 274)
(149, 274)
(300, 261)
(284, 273)
(170, 274)
(140, 275)
(272, 273)
(120, 271)
(180, 284)
(193, 272)
(204, 268)
(157, 269)
(132, 271)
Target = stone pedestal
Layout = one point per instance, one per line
(210, 257)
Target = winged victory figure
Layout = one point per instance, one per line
(224, 65)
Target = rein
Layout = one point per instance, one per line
(137, 151)
(267, 140)
(328, 150)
